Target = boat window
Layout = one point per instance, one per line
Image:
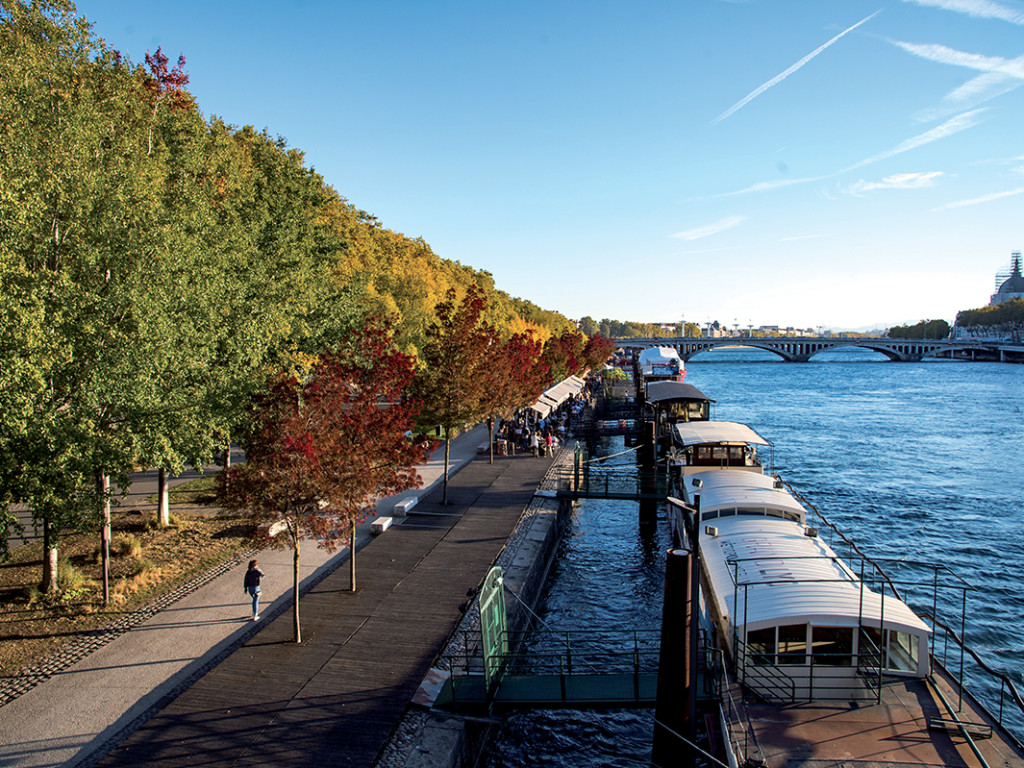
(904, 649)
(792, 645)
(761, 645)
(832, 646)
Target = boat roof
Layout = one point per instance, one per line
(655, 355)
(739, 490)
(658, 391)
(768, 572)
(699, 432)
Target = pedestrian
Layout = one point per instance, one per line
(252, 587)
(534, 443)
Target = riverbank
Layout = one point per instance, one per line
(336, 698)
(77, 708)
(427, 738)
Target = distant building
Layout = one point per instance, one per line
(1012, 287)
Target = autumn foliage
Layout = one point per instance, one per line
(323, 449)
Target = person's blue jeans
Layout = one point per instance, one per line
(255, 592)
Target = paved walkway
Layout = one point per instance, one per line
(77, 714)
(334, 700)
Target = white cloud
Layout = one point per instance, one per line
(981, 9)
(710, 229)
(768, 186)
(897, 181)
(976, 61)
(783, 75)
(999, 76)
(980, 200)
(952, 126)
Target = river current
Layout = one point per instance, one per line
(913, 461)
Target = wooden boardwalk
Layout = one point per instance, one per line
(334, 699)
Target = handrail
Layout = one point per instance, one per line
(1006, 682)
(799, 497)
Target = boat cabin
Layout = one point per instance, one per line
(701, 445)
(673, 401)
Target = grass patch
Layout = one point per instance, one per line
(202, 490)
(149, 563)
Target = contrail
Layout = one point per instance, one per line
(780, 77)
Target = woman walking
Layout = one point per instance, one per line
(252, 587)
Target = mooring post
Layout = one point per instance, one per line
(671, 713)
(648, 481)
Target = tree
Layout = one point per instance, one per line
(513, 378)
(325, 448)
(926, 329)
(597, 351)
(564, 354)
(451, 384)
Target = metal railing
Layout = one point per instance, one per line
(543, 655)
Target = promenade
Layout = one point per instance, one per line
(209, 687)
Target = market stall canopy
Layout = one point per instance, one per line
(554, 396)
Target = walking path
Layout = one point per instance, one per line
(334, 700)
(81, 711)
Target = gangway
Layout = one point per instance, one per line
(573, 669)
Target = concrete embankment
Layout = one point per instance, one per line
(428, 738)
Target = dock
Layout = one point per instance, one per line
(335, 699)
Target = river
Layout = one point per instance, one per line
(914, 461)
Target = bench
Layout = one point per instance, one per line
(271, 530)
(402, 507)
(380, 525)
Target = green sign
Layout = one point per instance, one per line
(492, 626)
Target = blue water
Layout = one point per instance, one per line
(914, 461)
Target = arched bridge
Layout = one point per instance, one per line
(801, 349)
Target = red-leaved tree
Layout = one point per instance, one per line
(515, 377)
(597, 351)
(323, 449)
(451, 383)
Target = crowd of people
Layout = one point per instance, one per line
(540, 434)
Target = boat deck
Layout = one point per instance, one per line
(895, 732)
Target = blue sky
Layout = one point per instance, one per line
(836, 164)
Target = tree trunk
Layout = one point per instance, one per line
(295, 590)
(352, 557)
(49, 582)
(227, 455)
(102, 486)
(163, 495)
(444, 484)
(490, 438)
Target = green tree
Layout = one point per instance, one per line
(926, 329)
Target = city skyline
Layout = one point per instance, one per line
(838, 165)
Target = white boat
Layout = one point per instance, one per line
(818, 659)
(660, 364)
